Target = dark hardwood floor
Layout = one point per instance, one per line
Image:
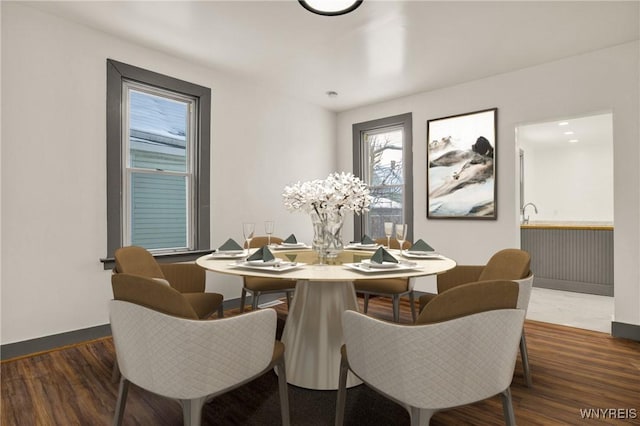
(572, 370)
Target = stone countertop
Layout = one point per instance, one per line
(571, 225)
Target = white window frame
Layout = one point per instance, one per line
(366, 147)
(361, 168)
(128, 170)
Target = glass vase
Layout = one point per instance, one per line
(327, 234)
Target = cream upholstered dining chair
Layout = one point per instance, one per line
(388, 287)
(257, 286)
(524, 296)
(187, 278)
(178, 286)
(507, 264)
(193, 360)
(462, 350)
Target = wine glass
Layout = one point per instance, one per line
(388, 231)
(248, 229)
(268, 229)
(401, 234)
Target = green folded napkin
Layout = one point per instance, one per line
(263, 253)
(230, 244)
(381, 255)
(367, 240)
(420, 245)
(291, 239)
(292, 257)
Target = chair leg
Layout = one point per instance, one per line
(366, 302)
(288, 295)
(221, 311)
(192, 411)
(524, 356)
(342, 391)
(121, 402)
(254, 301)
(412, 304)
(396, 308)
(283, 390)
(507, 406)
(243, 299)
(420, 417)
(115, 373)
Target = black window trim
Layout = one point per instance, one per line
(116, 72)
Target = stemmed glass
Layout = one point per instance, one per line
(268, 229)
(388, 231)
(401, 234)
(248, 229)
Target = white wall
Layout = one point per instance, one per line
(599, 81)
(54, 162)
(569, 183)
(0, 174)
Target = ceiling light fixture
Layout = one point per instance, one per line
(568, 133)
(563, 123)
(330, 7)
(573, 140)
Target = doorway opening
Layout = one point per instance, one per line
(566, 169)
(566, 217)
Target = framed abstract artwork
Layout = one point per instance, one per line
(461, 166)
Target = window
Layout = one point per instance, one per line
(157, 193)
(157, 162)
(382, 157)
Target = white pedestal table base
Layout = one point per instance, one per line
(313, 333)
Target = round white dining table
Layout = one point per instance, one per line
(313, 329)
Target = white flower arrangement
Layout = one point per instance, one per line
(338, 192)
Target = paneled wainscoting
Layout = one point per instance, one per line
(578, 259)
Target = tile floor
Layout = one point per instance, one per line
(579, 310)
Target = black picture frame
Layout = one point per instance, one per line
(462, 167)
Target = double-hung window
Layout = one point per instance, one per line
(157, 162)
(157, 191)
(382, 157)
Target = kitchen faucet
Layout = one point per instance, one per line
(525, 219)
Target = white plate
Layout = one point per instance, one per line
(422, 254)
(289, 246)
(298, 244)
(262, 263)
(231, 254)
(360, 246)
(365, 267)
(276, 267)
(383, 265)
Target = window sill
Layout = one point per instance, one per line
(187, 256)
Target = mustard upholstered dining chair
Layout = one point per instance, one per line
(388, 287)
(507, 264)
(193, 360)
(187, 278)
(257, 286)
(462, 350)
(152, 294)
